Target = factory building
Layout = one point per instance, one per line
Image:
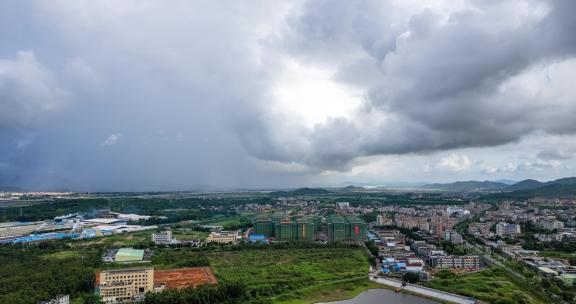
(15, 229)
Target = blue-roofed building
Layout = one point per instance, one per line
(39, 238)
(255, 238)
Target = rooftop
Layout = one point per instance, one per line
(129, 254)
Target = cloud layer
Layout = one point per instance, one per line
(147, 95)
(487, 74)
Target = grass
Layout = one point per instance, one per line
(234, 220)
(282, 272)
(61, 255)
(118, 240)
(557, 254)
(327, 292)
(187, 235)
(490, 285)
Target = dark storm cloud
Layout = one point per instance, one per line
(152, 94)
(555, 154)
(445, 81)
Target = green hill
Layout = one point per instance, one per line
(302, 191)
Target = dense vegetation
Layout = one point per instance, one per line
(29, 274)
(490, 285)
(280, 271)
(453, 249)
(223, 293)
(277, 272)
(174, 209)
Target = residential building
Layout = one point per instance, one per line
(264, 226)
(551, 225)
(288, 228)
(507, 230)
(59, 299)
(453, 236)
(346, 229)
(162, 238)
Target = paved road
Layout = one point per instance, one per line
(437, 294)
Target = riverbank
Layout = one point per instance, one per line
(328, 292)
(426, 292)
(388, 296)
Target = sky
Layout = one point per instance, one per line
(153, 95)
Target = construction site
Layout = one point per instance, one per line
(280, 227)
(131, 284)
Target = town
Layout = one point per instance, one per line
(412, 241)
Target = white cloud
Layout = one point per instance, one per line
(111, 140)
(455, 162)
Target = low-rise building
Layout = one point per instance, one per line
(454, 261)
(569, 279)
(551, 225)
(223, 237)
(59, 299)
(15, 229)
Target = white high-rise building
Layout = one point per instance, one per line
(507, 230)
(162, 238)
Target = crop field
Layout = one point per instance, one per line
(273, 272)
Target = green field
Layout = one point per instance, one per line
(328, 292)
(490, 285)
(238, 219)
(188, 235)
(283, 273)
(557, 254)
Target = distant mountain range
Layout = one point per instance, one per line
(564, 187)
(467, 186)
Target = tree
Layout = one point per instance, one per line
(372, 260)
(93, 299)
(411, 277)
(445, 274)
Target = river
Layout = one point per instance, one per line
(387, 296)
